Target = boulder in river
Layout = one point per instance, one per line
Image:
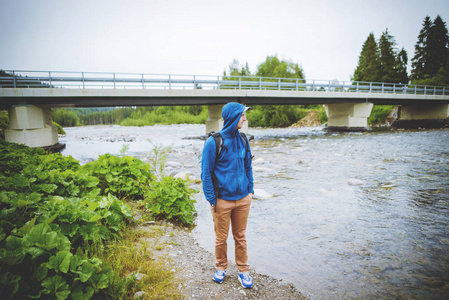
(261, 194)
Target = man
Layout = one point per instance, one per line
(234, 180)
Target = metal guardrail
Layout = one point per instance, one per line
(96, 80)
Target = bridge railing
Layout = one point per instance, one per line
(97, 80)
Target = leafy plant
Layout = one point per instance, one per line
(171, 199)
(124, 177)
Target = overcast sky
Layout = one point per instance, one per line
(202, 37)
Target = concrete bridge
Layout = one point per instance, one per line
(29, 96)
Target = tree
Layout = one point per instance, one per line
(380, 62)
(368, 68)
(430, 65)
(234, 69)
(401, 66)
(419, 61)
(438, 43)
(392, 66)
(279, 115)
(273, 67)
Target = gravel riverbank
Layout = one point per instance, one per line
(194, 267)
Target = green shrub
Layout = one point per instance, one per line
(171, 198)
(49, 208)
(124, 177)
(55, 215)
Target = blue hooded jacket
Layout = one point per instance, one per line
(233, 167)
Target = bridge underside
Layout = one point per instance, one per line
(147, 97)
(30, 109)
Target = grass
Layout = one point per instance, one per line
(133, 254)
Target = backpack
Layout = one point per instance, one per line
(218, 147)
(219, 142)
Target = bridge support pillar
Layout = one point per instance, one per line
(424, 116)
(31, 125)
(348, 116)
(215, 121)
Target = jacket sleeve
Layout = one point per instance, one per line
(249, 169)
(207, 168)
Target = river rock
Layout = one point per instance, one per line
(354, 181)
(259, 161)
(261, 169)
(173, 164)
(261, 194)
(185, 175)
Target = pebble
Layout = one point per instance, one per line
(261, 194)
(354, 181)
(185, 175)
(173, 164)
(259, 161)
(242, 292)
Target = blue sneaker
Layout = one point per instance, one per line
(245, 280)
(219, 276)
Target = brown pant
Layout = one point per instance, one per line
(237, 213)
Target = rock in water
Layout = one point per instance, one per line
(184, 175)
(261, 194)
(354, 181)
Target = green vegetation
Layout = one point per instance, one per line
(167, 115)
(379, 113)
(381, 62)
(431, 61)
(59, 221)
(128, 116)
(271, 115)
(59, 127)
(4, 122)
(65, 117)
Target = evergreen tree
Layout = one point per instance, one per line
(419, 61)
(387, 57)
(369, 67)
(401, 67)
(380, 62)
(430, 65)
(438, 43)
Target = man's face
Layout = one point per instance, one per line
(241, 121)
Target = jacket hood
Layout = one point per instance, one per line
(231, 114)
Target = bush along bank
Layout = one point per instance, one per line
(59, 221)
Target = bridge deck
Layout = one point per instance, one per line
(154, 97)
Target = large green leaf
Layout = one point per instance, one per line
(81, 293)
(60, 261)
(57, 287)
(41, 272)
(47, 188)
(43, 237)
(9, 285)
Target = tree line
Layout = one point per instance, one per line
(380, 60)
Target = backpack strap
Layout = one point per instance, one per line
(218, 146)
(218, 143)
(245, 139)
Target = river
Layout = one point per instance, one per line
(352, 215)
